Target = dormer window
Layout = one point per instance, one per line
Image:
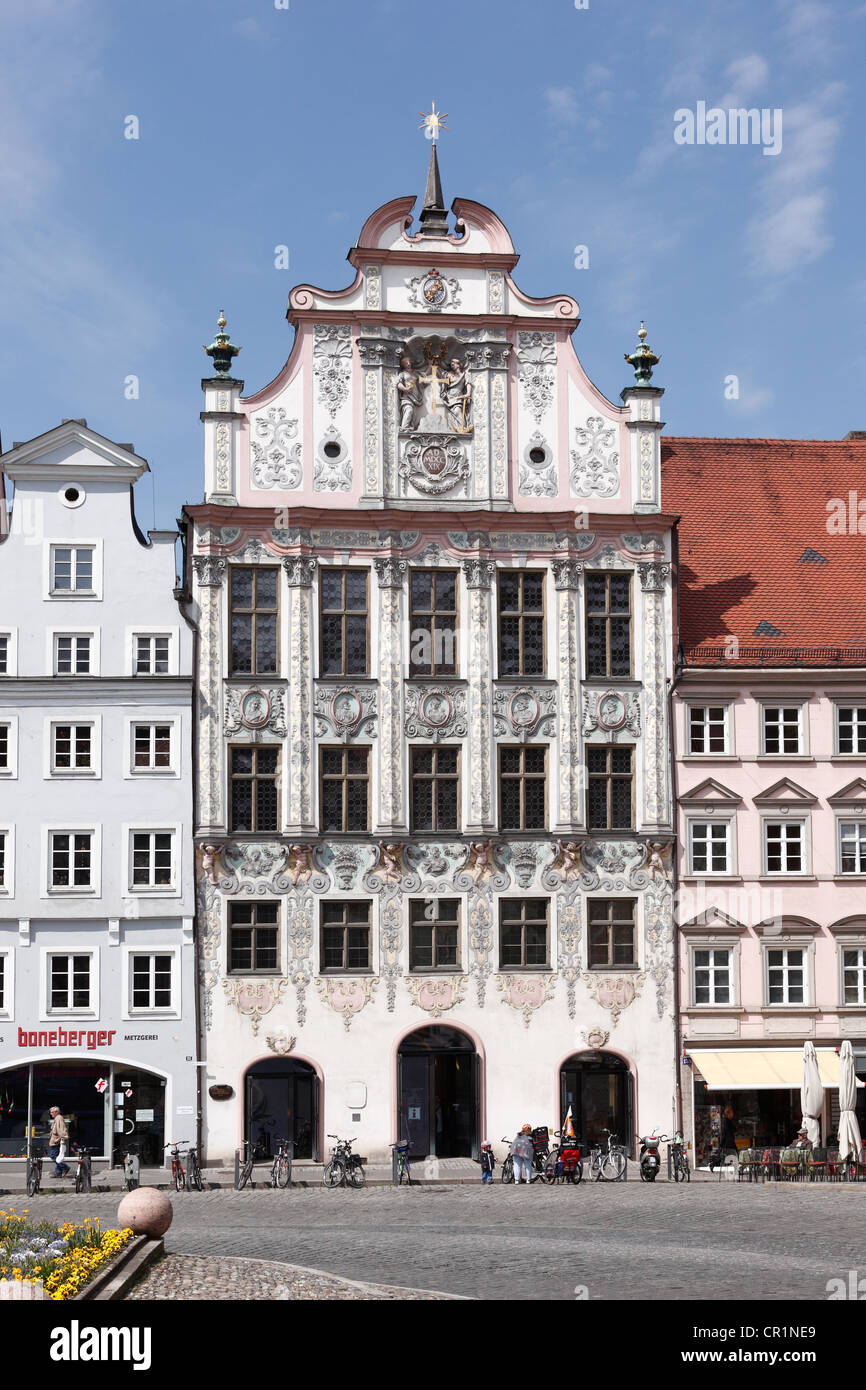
(72, 569)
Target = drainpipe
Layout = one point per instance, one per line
(678, 1092)
(183, 596)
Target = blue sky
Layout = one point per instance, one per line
(261, 127)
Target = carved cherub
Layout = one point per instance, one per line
(657, 868)
(209, 856)
(480, 861)
(300, 866)
(567, 859)
(390, 862)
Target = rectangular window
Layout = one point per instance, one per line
(854, 976)
(433, 623)
(152, 859)
(435, 788)
(782, 729)
(611, 932)
(71, 859)
(783, 847)
(712, 977)
(72, 748)
(521, 623)
(608, 624)
(786, 977)
(254, 620)
(851, 729)
(609, 786)
(434, 934)
(345, 785)
(3, 1005)
(4, 654)
(708, 729)
(69, 983)
(71, 569)
(852, 836)
(522, 788)
(5, 734)
(72, 654)
(343, 614)
(254, 947)
(255, 798)
(151, 747)
(151, 982)
(708, 844)
(523, 932)
(4, 840)
(150, 655)
(345, 943)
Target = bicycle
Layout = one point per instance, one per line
(611, 1164)
(34, 1171)
(404, 1169)
(564, 1162)
(343, 1166)
(131, 1169)
(678, 1158)
(281, 1168)
(178, 1175)
(194, 1170)
(83, 1177)
(507, 1171)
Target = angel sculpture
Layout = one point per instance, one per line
(482, 861)
(390, 866)
(300, 863)
(656, 867)
(209, 856)
(567, 859)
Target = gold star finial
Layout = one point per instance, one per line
(433, 121)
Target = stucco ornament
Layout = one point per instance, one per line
(347, 997)
(254, 998)
(391, 939)
(595, 1038)
(622, 859)
(595, 462)
(281, 1043)
(300, 916)
(570, 936)
(614, 992)
(210, 862)
(536, 353)
(254, 712)
(332, 468)
(435, 711)
(274, 460)
(659, 922)
(433, 292)
(525, 712)
(435, 860)
(480, 864)
(332, 363)
(436, 994)
(566, 864)
(537, 477)
(344, 711)
(526, 993)
(434, 463)
(611, 712)
(390, 864)
(300, 865)
(344, 862)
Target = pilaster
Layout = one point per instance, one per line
(391, 816)
(299, 770)
(567, 575)
(210, 572)
(478, 573)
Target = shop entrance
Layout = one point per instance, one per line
(438, 1093)
(281, 1102)
(598, 1087)
(107, 1108)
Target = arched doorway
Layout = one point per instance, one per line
(600, 1090)
(281, 1101)
(438, 1093)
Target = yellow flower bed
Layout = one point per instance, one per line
(62, 1258)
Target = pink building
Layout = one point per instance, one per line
(769, 734)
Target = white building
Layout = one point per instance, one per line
(432, 580)
(96, 872)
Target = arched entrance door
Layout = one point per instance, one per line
(438, 1093)
(282, 1102)
(598, 1087)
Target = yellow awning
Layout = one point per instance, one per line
(767, 1069)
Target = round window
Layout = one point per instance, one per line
(332, 450)
(72, 495)
(537, 455)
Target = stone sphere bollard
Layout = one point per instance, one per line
(147, 1210)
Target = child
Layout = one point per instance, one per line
(487, 1162)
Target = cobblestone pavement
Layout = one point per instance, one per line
(706, 1240)
(208, 1277)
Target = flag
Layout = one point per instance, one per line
(568, 1127)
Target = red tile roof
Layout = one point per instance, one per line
(750, 509)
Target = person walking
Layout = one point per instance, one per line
(57, 1141)
(523, 1153)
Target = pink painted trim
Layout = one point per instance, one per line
(302, 296)
(565, 306)
(360, 256)
(482, 1071)
(399, 210)
(290, 1056)
(477, 215)
(284, 376)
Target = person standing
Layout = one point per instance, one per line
(727, 1140)
(523, 1153)
(487, 1162)
(57, 1141)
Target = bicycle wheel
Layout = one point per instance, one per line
(405, 1172)
(578, 1171)
(195, 1175)
(179, 1177)
(284, 1171)
(245, 1174)
(507, 1174)
(356, 1175)
(334, 1174)
(613, 1167)
(32, 1180)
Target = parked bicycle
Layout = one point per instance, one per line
(34, 1170)
(678, 1159)
(343, 1166)
(563, 1163)
(83, 1175)
(507, 1171)
(182, 1181)
(281, 1168)
(131, 1169)
(251, 1152)
(404, 1169)
(610, 1164)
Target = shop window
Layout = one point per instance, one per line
(611, 932)
(523, 933)
(345, 938)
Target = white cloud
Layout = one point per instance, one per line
(562, 106)
(747, 77)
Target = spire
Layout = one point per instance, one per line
(434, 216)
(222, 349)
(643, 359)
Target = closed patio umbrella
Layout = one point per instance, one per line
(811, 1094)
(849, 1130)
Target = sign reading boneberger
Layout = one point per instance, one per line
(65, 1037)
